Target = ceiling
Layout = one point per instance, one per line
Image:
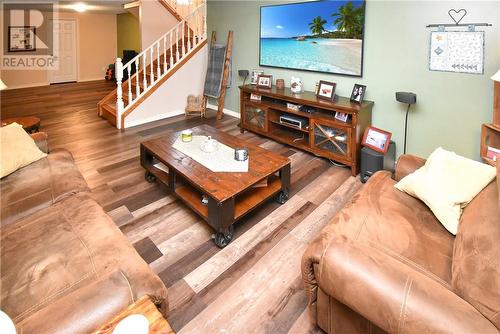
(109, 6)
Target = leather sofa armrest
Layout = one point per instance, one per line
(40, 139)
(83, 310)
(407, 164)
(393, 294)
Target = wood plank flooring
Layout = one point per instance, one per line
(251, 286)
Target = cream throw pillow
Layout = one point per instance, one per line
(17, 149)
(447, 183)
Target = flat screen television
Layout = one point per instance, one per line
(317, 36)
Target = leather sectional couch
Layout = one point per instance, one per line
(386, 264)
(65, 266)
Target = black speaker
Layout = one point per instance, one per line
(243, 73)
(373, 161)
(404, 97)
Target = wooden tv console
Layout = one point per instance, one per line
(320, 134)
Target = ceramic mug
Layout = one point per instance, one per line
(186, 135)
(240, 154)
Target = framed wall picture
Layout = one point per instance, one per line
(358, 93)
(255, 75)
(326, 90)
(376, 139)
(21, 39)
(264, 81)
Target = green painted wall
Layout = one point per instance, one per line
(450, 106)
(128, 33)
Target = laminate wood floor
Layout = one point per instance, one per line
(251, 286)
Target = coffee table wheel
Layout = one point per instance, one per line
(149, 177)
(282, 197)
(222, 239)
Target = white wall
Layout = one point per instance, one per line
(155, 20)
(170, 98)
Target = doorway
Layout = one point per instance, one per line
(65, 53)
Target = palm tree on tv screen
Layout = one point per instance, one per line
(349, 19)
(317, 25)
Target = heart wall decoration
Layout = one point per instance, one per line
(457, 15)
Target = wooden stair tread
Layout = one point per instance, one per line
(110, 107)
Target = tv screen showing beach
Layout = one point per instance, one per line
(318, 36)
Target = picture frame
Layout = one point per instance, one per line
(265, 81)
(341, 116)
(326, 90)
(255, 75)
(358, 93)
(21, 38)
(255, 97)
(376, 139)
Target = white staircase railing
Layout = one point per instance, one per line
(151, 65)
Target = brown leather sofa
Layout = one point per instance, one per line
(65, 266)
(385, 264)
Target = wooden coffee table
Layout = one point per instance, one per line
(30, 124)
(230, 195)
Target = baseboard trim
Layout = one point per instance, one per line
(92, 79)
(43, 84)
(31, 85)
(226, 111)
(129, 124)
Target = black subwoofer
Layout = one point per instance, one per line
(372, 161)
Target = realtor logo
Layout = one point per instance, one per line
(28, 35)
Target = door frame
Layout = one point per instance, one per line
(77, 55)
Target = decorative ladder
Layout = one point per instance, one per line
(154, 65)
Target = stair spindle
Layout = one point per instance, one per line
(204, 21)
(171, 52)
(151, 65)
(165, 54)
(137, 86)
(158, 60)
(189, 32)
(144, 72)
(177, 43)
(196, 39)
(129, 81)
(183, 42)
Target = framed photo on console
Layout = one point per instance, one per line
(264, 81)
(358, 93)
(376, 139)
(326, 90)
(255, 75)
(341, 116)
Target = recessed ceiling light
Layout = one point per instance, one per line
(80, 7)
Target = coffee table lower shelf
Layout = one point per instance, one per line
(241, 205)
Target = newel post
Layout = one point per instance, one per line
(119, 92)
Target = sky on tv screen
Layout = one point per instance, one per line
(285, 21)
